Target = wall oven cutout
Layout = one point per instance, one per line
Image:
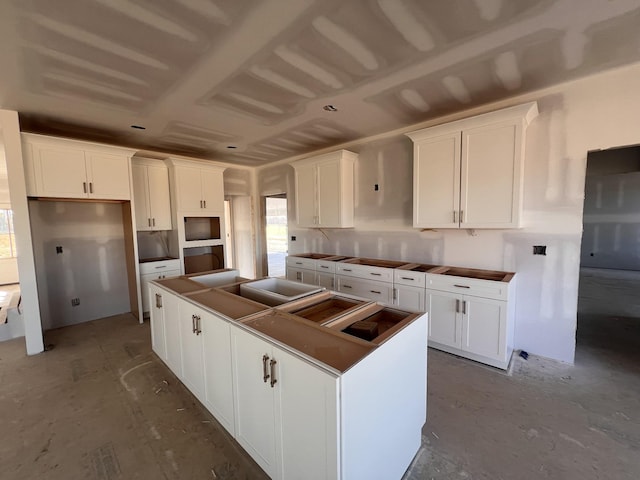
(203, 259)
(201, 228)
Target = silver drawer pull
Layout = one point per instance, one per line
(347, 286)
(375, 291)
(461, 286)
(407, 278)
(346, 270)
(323, 266)
(376, 274)
(161, 266)
(298, 263)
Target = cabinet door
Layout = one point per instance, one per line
(491, 176)
(306, 196)
(308, 420)
(444, 317)
(436, 182)
(212, 190)
(157, 322)
(301, 275)
(59, 172)
(171, 307)
(254, 399)
(326, 280)
(108, 176)
(189, 189)
(329, 195)
(159, 200)
(410, 298)
(191, 343)
(484, 323)
(140, 183)
(218, 383)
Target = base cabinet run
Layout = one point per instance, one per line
(298, 418)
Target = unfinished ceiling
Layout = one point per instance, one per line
(205, 75)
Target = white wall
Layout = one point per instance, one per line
(594, 113)
(10, 130)
(91, 267)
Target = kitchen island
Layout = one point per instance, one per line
(326, 386)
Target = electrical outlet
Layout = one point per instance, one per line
(376, 187)
(59, 249)
(539, 249)
(293, 238)
(75, 302)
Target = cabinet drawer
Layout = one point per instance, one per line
(377, 291)
(163, 267)
(380, 274)
(325, 266)
(409, 278)
(468, 286)
(299, 262)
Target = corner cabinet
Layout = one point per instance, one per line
(324, 190)
(62, 168)
(198, 186)
(151, 196)
(469, 173)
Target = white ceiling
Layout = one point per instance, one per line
(201, 75)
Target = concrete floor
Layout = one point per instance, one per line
(100, 405)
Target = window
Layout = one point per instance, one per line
(7, 236)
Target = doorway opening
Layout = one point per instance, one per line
(275, 207)
(608, 303)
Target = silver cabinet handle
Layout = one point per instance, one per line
(407, 278)
(323, 266)
(461, 286)
(272, 364)
(204, 203)
(298, 263)
(193, 324)
(158, 300)
(90, 187)
(461, 216)
(346, 270)
(200, 203)
(84, 187)
(395, 294)
(347, 286)
(375, 291)
(265, 373)
(454, 217)
(198, 325)
(299, 276)
(160, 266)
(149, 221)
(153, 221)
(464, 307)
(457, 306)
(376, 274)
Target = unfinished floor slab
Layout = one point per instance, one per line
(100, 405)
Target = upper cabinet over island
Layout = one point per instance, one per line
(324, 190)
(469, 173)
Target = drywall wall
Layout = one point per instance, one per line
(10, 131)
(596, 113)
(91, 267)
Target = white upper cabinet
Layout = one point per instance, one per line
(151, 194)
(324, 190)
(469, 173)
(62, 168)
(199, 188)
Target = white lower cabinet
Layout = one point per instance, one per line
(295, 416)
(286, 410)
(302, 275)
(473, 327)
(326, 280)
(409, 298)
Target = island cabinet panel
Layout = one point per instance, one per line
(158, 338)
(171, 309)
(191, 346)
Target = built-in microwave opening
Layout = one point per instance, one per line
(201, 228)
(203, 259)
